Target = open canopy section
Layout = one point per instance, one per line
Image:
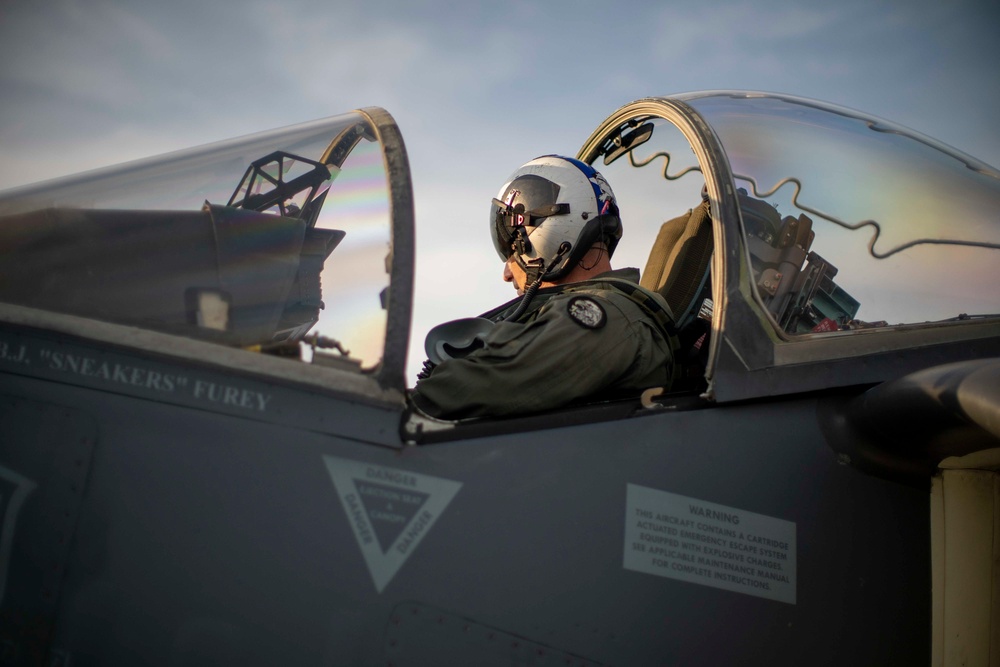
(853, 222)
(791, 238)
(278, 242)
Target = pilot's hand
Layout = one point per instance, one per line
(426, 371)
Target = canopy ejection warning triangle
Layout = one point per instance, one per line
(389, 510)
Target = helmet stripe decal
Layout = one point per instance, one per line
(590, 173)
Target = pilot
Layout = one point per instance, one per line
(578, 330)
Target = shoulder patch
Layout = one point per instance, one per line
(586, 312)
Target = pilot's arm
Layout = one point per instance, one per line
(578, 345)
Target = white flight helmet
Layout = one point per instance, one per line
(550, 213)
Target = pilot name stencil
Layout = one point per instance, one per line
(103, 370)
(390, 511)
(692, 540)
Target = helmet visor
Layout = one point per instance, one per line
(526, 202)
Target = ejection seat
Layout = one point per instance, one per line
(678, 269)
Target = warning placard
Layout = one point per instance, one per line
(692, 540)
(390, 510)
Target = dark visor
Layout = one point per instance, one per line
(526, 203)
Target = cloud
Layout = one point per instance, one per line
(99, 54)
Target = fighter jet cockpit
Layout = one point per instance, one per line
(830, 222)
(780, 231)
(278, 243)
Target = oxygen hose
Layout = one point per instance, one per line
(529, 293)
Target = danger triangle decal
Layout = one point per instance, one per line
(389, 510)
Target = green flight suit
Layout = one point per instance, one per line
(601, 337)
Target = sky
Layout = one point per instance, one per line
(476, 88)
